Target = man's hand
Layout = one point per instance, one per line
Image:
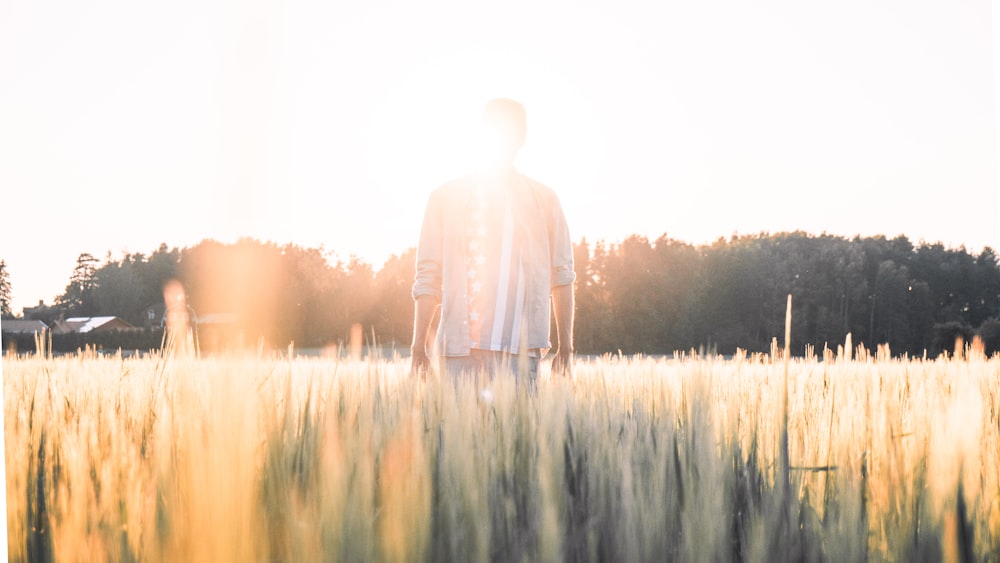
(562, 362)
(420, 363)
(563, 306)
(423, 313)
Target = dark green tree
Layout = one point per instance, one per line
(307, 283)
(156, 271)
(78, 299)
(636, 296)
(631, 299)
(5, 292)
(987, 299)
(989, 331)
(119, 290)
(596, 328)
(586, 339)
(741, 298)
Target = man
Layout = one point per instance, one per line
(494, 252)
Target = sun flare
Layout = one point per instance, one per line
(427, 128)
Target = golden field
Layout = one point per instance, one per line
(690, 458)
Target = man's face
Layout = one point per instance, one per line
(499, 142)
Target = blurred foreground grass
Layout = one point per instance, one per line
(635, 459)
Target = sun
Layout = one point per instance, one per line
(425, 129)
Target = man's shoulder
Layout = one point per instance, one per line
(455, 184)
(449, 193)
(538, 189)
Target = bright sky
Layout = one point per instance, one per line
(126, 124)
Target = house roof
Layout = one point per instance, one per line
(87, 324)
(22, 327)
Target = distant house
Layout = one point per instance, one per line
(84, 325)
(22, 327)
(45, 313)
(32, 311)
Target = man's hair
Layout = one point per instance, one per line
(504, 111)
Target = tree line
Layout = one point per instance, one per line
(634, 296)
(664, 295)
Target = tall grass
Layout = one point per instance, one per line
(634, 459)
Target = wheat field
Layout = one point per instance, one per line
(689, 458)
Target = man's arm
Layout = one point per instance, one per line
(426, 290)
(564, 308)
(423, 314)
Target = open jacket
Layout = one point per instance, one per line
(546, 256)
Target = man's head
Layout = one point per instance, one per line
(504, 126)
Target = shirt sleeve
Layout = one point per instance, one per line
(427, 280)
(563, 272)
